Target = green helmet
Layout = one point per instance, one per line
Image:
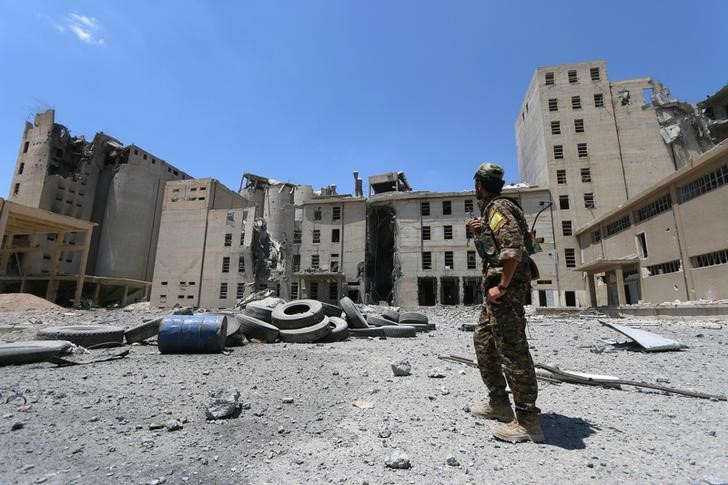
(489, 171)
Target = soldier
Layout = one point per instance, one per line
(500, 337)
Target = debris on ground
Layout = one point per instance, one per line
(436, 373)
(363, 404)
(398, 460)
(23, 302)
(224, 403)
(649, 341)
(401, 368)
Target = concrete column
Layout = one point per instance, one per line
(82, 268)
(5, 256)
(622, 297)
(97, 294)
(126, 295)
(592, 289)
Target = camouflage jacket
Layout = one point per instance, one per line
(504, 236)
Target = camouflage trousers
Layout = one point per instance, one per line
(502, 350)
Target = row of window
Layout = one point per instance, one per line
(704, 184)
(589, 202)
(335, 214)
(585, 176)
(471, 260)
(553, 103)
(572, 76)
(228, 242)
(226, 264)
(446, 233)
(335, 236)
(316, 262)
(578, 127)
(581, 149)
(240, 290)
(446, 207)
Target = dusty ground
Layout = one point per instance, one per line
(90, 424)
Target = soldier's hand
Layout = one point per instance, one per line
(475, 226)
(494, 294)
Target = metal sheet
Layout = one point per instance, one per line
(651, 342)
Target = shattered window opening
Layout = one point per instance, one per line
(315, 261)
(297, 236)
(561, 177)
(226, 264)
(425, 208)
(594, 72)
(576, 102)
(426, 260)
(589, 200)
(581, 149)
(559, 152)
(334, 266)
(549, 78)
(425, 233)
(579, 126)
(26, 146)
(564, 202)
(586, 174)
(449, 263)
(228, 239)
(336, 213)
(16, 189)
(706, 183)
(566, 228)
(555, 127)
(317, 214)
(664, 268)
(20, 168)
(642, 243)
(596, 236)
(710, 259)
(335, 235)
(223, 291)
(652, 209)
(624, 97)
(427, 291)
(553, 104)
(240, 291)
(468, 205)
(447, 232)
(294, 290)
(296, 263)
(241, 264)
(573, 78)
(472, 262)
(599, 100)
(570, 257)
(446, 207)
(316, 236)
(618, 226)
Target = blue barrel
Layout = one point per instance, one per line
(184, 334)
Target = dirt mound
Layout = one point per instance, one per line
(20, 302)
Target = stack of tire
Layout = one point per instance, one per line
(299, 321)
(388, 324)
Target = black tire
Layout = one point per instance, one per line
(427, 327)
(297, 314)
(391, 315)
(32, 351)
(353, 315)
(339, 330)
(84, 335)
(374, 320)
(366, 332)
(307, 335)
(332, 310)
(144, 331)
(412, 317)
(257, 329)
(397, 331)
(256, 310)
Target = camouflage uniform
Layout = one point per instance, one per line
(500, 337)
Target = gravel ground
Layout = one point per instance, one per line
(91, 424)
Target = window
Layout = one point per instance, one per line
(566, 228)
(576, 102)
(549, 78)
(664, 268)
(294, 290)
(449, 260)
(424, 208)
(710, 259)
(555, 127)
(625, 98)
(586, 175)
(20, 168)
(468, 205)
(589, 200)
(223, 290)
(241, 264)
(26, 146)
(704, 184)
(472, 262)
(446, 207)
(317, 214)
(239, 291)
(425, 233)
(579, 126)
(226, 264)
(570, 298)
(570, 257)
(553, 104)
(16, 189)
(599, 100)
(336, 214)
(561, 177)
(642, 243)
(333, 290)
(564, 202)
(594, 71)
(559, 151)
(426, 260)
(316, 236)
(573, 78)
(315, 261)
(596, 236)
(335, 235)
(296, 236)
(582, 150)
(228, 239)
(296, 263)
(313, 290)
(447, 232)
(334, 266)
(617, 226)
(659, 206)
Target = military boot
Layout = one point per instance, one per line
(523, 428)
(495, 409)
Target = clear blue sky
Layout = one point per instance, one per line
(309, 90)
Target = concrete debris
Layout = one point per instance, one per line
(224, 403)
(436, 373)
(401, 368)
(649, 341)
(257, 296)
(452, 461)
(363, 404)
(398, 460)
(173, 425)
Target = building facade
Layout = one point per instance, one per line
(667, 243)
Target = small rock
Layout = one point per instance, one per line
(401, 368)
(399, 460)
(154, 426)
(16, 426)
(223, 403)
(173, 425)
(444, 391)
(94, 419)
(452, 461)
(436, 373)
(287, 400)
(385, 433)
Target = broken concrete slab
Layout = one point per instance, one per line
(649, 341)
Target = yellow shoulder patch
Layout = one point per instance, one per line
(496, 221)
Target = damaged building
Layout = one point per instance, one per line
(117, 187)
(595, 144)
